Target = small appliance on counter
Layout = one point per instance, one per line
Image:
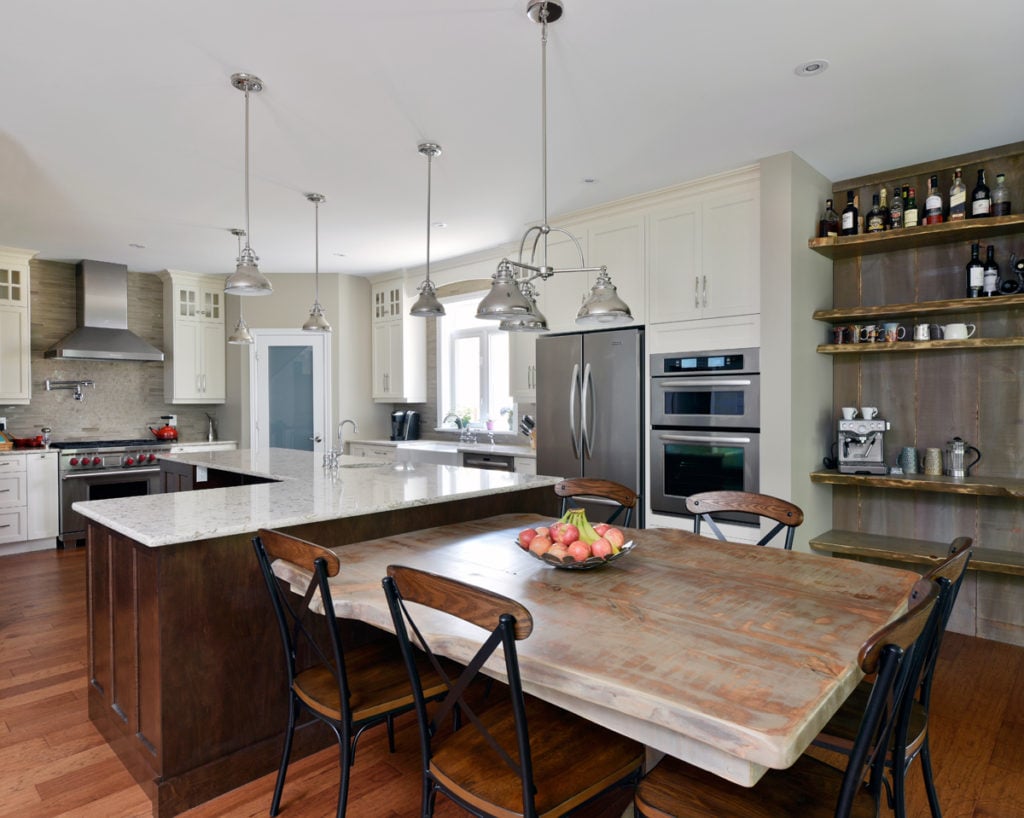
(169, 431)
(860, 445)
(405, 424)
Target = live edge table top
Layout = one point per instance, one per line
(731, 657)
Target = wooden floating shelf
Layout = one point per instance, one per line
(954, 306)
(911, 238)
(989, 486)
(920, 552)
(912, 346)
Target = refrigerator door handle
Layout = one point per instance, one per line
(586, 399)
(573, 387)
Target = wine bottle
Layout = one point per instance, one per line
(1000, 197)
(850, 216)
(958, 198)
(933, 204)
(874, 222)
(910, 209)
(896, 210)
(883, 204)
(975, 273)
(991, 273)
(828, 224)
(981, 198)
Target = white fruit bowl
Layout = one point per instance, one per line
(589, 562)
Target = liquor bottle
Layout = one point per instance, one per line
(874, 223)
(975, 273)
(828, 224)
(910, 209)
(896, 210)
(958, 198)
(991, 273)
(884, 205)
(933, 204)
(981, 199)
(850, 216)
(1000, 197)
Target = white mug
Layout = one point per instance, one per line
(921, 332)
(957, 331)
(849, 412)
(868, 412)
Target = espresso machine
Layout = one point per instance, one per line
(860, 445)
(405, 425)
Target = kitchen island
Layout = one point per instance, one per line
(186, 681)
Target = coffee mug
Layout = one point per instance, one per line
(839, 335)
(855, 333)
(893, 331)
(868, 412)
(908, 460)
(849, 412)
(935, 332)
(869, 333)
(933, 461)
(957, 332)
(921, 332)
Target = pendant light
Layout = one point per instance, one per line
(316, 321)
(427, 305)
(241, 334)
(508, 299)
(247, 278)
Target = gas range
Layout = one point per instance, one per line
(94, 456)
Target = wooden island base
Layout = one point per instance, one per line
(185, 675)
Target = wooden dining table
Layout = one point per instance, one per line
(728, 656)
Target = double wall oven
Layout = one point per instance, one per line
(705, 426)
(101, 470)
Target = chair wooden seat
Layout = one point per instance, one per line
(584, 488)
(786, 515)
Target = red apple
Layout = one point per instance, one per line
(544, 531)
(615, 537)
(540, 545)
(601, 548)
(525, 536)
(569, 534)
(579, 550)
(558, 550)
(600, 528)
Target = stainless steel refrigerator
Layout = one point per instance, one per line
(590, 409)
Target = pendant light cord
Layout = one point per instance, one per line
(544, 122)
(430, 161)
(247, 245)
(316, 253)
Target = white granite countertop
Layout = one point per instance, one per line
(455, 446)
(305, 494)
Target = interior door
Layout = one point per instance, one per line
(290, 390)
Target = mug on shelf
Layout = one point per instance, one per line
(869, 333)
(922, 332)
(958, 332)
(869, 412)
(908, 460)
(893, 331)
(855, 333)
(849, 412)
(840, 335)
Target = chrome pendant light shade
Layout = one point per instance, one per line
(512, 297)
(241, 333)
(316, 321)
(427, 305)
(247, 278)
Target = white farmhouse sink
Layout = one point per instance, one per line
(428, 451)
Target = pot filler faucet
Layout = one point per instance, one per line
(341, 437)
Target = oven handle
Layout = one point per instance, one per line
(111, 473)
(703, 439)
(706, 382)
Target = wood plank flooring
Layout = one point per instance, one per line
(54, 763)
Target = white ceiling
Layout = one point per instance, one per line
(119, 124)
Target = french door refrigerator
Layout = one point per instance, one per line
(590, 409)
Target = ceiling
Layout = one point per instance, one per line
(120, 126)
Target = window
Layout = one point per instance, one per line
(473, 363)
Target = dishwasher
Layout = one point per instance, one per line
(495, 462)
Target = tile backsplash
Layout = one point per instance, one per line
(128, 396)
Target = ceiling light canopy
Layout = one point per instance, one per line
(247, 278)
(427, 305)
(316, 321)
(512, 298)
(241, 333)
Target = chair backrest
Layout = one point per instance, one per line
(894, 654)
(585, 488)
(309, 637)
(785, 514)
(503, 620)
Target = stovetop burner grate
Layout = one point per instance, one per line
(146, 443)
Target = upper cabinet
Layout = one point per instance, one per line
(193, 338)
(399, 346)
(704, 253)
(15, 326)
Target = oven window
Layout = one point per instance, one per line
(721, 402)
(694, 467)
(107, 491)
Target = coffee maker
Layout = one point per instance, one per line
(405, 424)
(860, 445)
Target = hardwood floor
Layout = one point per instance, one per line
(54, 763)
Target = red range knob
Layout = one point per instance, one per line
(152, 458)
(73, 461)
(97, 461)
(129, 461)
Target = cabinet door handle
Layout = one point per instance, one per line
(696, 292)
(4, 491)
(704, 297)
(5, 525)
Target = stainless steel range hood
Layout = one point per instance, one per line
(102, 332)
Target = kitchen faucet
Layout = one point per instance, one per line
(452, 416)
(341, 438)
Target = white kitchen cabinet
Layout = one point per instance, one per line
(43, 497)
(373, 451)
(15, 327)
(29, 493)
(399, 360)
(618, 243)
(193, 338)
(522, 362)
(704, 254)
(526, 465)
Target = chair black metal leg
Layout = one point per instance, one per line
(293, 708)
(899, 788)
(345, 750)
(428, 798)
(929, 779)
(391, 732)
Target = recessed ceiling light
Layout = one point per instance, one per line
(811, 68)
(137, 246)
(439, 225)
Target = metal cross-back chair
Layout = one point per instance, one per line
(786, 515)
(621, 497)
(519, 756)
